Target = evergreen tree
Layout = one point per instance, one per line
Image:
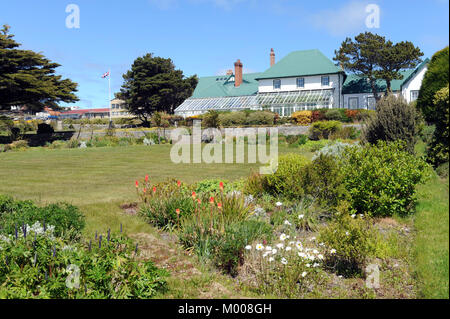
(28, 78)
(153, 84)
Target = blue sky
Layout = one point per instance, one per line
(205, 37)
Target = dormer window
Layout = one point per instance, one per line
(277, 84)
(325, 80)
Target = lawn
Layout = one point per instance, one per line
(432, 239)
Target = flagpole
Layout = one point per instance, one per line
(109, 100)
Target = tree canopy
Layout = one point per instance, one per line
(153, 84)
(28, 78)
(435, 79)
(370, 55)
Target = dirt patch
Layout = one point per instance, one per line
(130, 208)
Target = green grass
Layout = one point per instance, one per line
(432, 239)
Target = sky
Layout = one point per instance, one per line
(206, 37)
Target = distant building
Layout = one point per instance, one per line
(118, 110)
(303, 80)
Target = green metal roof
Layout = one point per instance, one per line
(220, 86)
(301, 63)
(359, 84)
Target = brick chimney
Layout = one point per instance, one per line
(272, 57)
(237, 73)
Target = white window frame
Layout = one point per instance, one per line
(302, 86)
(328, 81)
(350, 99)
(411, 95)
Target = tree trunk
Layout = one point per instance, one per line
(374, 89)
(388, 87)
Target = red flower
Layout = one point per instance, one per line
(137, 184)
(146, 178)
(145, 190)
(219, 205)
(221, 186)
(154, 189)
(199, 201)
(177, 211)
(211, 200)
(264, 242)
(194, 195)
(179, 183)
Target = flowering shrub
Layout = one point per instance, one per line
(67, 219)
(334, 150)
(289, 267)
(35, 264)
(302, 117)
(285, 180)
(351, 240)
(382, 179)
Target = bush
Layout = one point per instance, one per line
(435, 79)
(364, 115)
(37, 266)
(302, 117)
(285, 181)
(44, 128)
(67, 219)
(261, 118)
(345, 133)
(427, 132)
(333, 115)
(439, 147)
(212, 186)
(17, 145)
(232, 119)
(442, 170)
(395, 120)
(211, 119)
(255, 184)
(350, 241)
(382, 178)
(323, 129)
(323, 179)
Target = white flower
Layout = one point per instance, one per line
(279, 204)
(347, 233)
(301, 216)
(266, 254)
(361, 215)
(312, 238)
(274, 251)
(308, 265)
(304, 274)
(354, 216)
(315, 251)
(320, 256)
(271, 259)
(268, 248)
(321, 244)
(316, 265)
(284, 261)
(283, 237)
(288, 248)
(288, 223)
(248, 247)
(303, 255)
(333, 251)
(311, 257)
(259, 247)
(298, 245)
(280, 246)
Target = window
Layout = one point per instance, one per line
(353, 103)
(300, 82)
(371, 103)
(414, 95)
(278, 110)
(325, 80)
(276, 84)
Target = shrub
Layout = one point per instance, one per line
(323, 179)
(350, 241)
(44, 128)
(66, 218)
(302, 117)
(439, 147)
(211, 119)
(352, 114)
(334, 150)
(37, 266)
(285, 181)
(442, 170)
(364, 115)
(382, 178)
(333, 115)
(395, 120)
(255, 184)
(232, 118)
(318, 115)
(427, 132)
(261, 118)
(17, 145)
(323, 129)
(347, 132)
(435, 79)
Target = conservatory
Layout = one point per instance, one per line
(283, 103)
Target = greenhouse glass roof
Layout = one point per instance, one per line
(259, 100)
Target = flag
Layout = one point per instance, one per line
(105, 75)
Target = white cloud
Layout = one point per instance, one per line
(341, 21)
